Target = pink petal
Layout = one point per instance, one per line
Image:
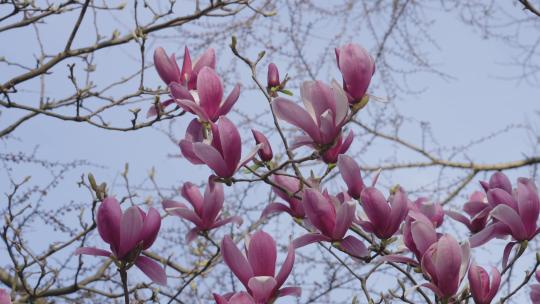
(489, 232)
(186, 67)
(213, 202)
(344, 216)
(192, 107)
(395, 258)
(108, 221)
(182, 211)
(448, 264)
(320, 211)
(192, 234)
(92, 251)
(309, 238)
(398, 213)
(4, 297)
(231, 143)
(192, 194)
(210, 91)
(528, 205)
(212, 158)
(166, 68)
(131, 226)
(295, 115)
(229, 102)
(353, 247)
(241, 298)
(265, 153)
(375, 206)
(459, 217)
(233, 219)
(152, 223)
(495, 284)
(236, 261)
(501, 181)
(286, 267)
(498, 196)
(180, 92)
(262, 288)
(276, 208)
(207, 59)
(350, 172)
(153, 111)
(262, 254)
(510, 218)
(423, 236)
(290, 291)
(357, 68)
(152, 270)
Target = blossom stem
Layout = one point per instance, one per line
(123, 276)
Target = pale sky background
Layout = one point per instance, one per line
(474, 103)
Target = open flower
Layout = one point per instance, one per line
(383, 217)
(514, 215)
(169, 72)
(206, 213)
(325, 113)
(293, 187)
(208, 103)
(332, 218)
(221, 153)
(257, 269)
(4, 297)
(433, 211)
(128, 233)
(357, 68)
(445, 264)
(482, 291)
(477, 208)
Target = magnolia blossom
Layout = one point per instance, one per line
(482, 291)
(514, 215)
(324, 115)
(221, 152)
(383, 217)
(206, 213)
(357, 68)
(350, 172)
(341, 146)
(4, 297)
(445, 264)
(433, 211)
(257, 268)
(535, 289)
(169, 71)
(128, 233)
(292, 186)
(477, 208)
(332, 218)
(208, 103)
(265, 152)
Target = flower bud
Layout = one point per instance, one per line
(265, 152)
(273, 76)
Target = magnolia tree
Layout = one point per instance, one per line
(390, 242)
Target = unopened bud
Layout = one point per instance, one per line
(273, 76)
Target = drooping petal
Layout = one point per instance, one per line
(194, 133)
(295, 115)
(309, 238)
(192, 194)
(236, 261)
(152, 223)
(286, 267)
(350, 172)
(212, 158)
(92, 251)
(395, 258)
(290, 291)
(182, 211)
(510, 218)
(488, 233)
(152, 270)
(229, 102)
(179, 91)
(233, 219)
(262, 254)
(353, 247)
(276, 208)
(131, 226)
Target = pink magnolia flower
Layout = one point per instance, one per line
(207, 102)
(497, 181)
(128, 233)
(206, 213)
(341, 146)
(383, 217)
(445, 264)
(477, 208)
(257, 268)
(332, 218)
(350, 172)
(357, 68)
(265, 152)
(535, 289)
(221, 152)
(292, 185)
(237, 298)
(324, 115)
(4, 297)
(273, 76)
(169, 72)
(514, 215)
(433, 211)
(482, 291)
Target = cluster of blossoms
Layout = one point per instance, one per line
(345, 220)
